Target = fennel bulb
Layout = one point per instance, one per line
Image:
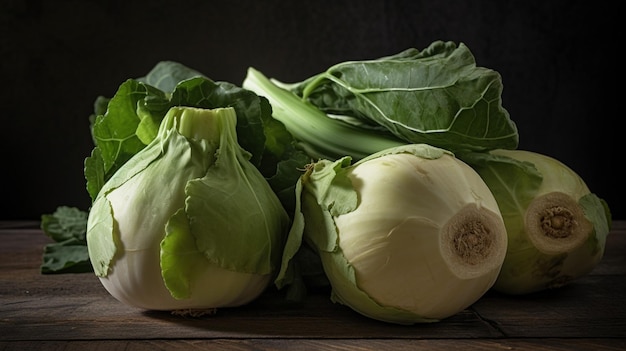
(556, 227)
(410, 234)
(188, 222)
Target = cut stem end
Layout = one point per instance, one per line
(555, 223)
(474, 241)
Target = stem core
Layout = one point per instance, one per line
(474, 241)
(555, 223)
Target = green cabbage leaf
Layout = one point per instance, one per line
(437, 96)
(133, 115)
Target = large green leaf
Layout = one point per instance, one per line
(132, 117)
(437, 96)
(67, 226)
(114, 132)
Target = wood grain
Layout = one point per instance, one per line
(73, 311)
(324, 344)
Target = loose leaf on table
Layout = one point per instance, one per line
(67, 226)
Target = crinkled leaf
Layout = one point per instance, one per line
(231, 219)
(598, 212)
(234, 203)
(115, 131)
(103, 236)
(102, 229)
(301, 267)
(65, 223)
(67, 226)
(283, 182)
(331, 186)
(69, 256)
(94, 173)
(288, 273)
(133, 114)
(205, 93)
(180, 258)
(438, 96)
(150, 111)
(515, 182)
(166, 75)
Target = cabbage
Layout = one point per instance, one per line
(557, 227)
(187, 222)
(407, 235)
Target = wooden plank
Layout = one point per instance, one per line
(19, 224)
(64, 310)
(322, 344)
(76, 306)
(592, 306)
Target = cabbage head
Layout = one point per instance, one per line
(557, 227)
(188, 222)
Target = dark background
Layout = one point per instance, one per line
(560, 63)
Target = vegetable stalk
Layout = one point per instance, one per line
(319, 135)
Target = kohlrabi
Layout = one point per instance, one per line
(187, 223)
(410, 234)
(556, 227)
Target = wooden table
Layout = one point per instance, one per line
(74, 312)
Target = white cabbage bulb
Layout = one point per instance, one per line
(188, 223)
(556, 227)
(410, 234)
